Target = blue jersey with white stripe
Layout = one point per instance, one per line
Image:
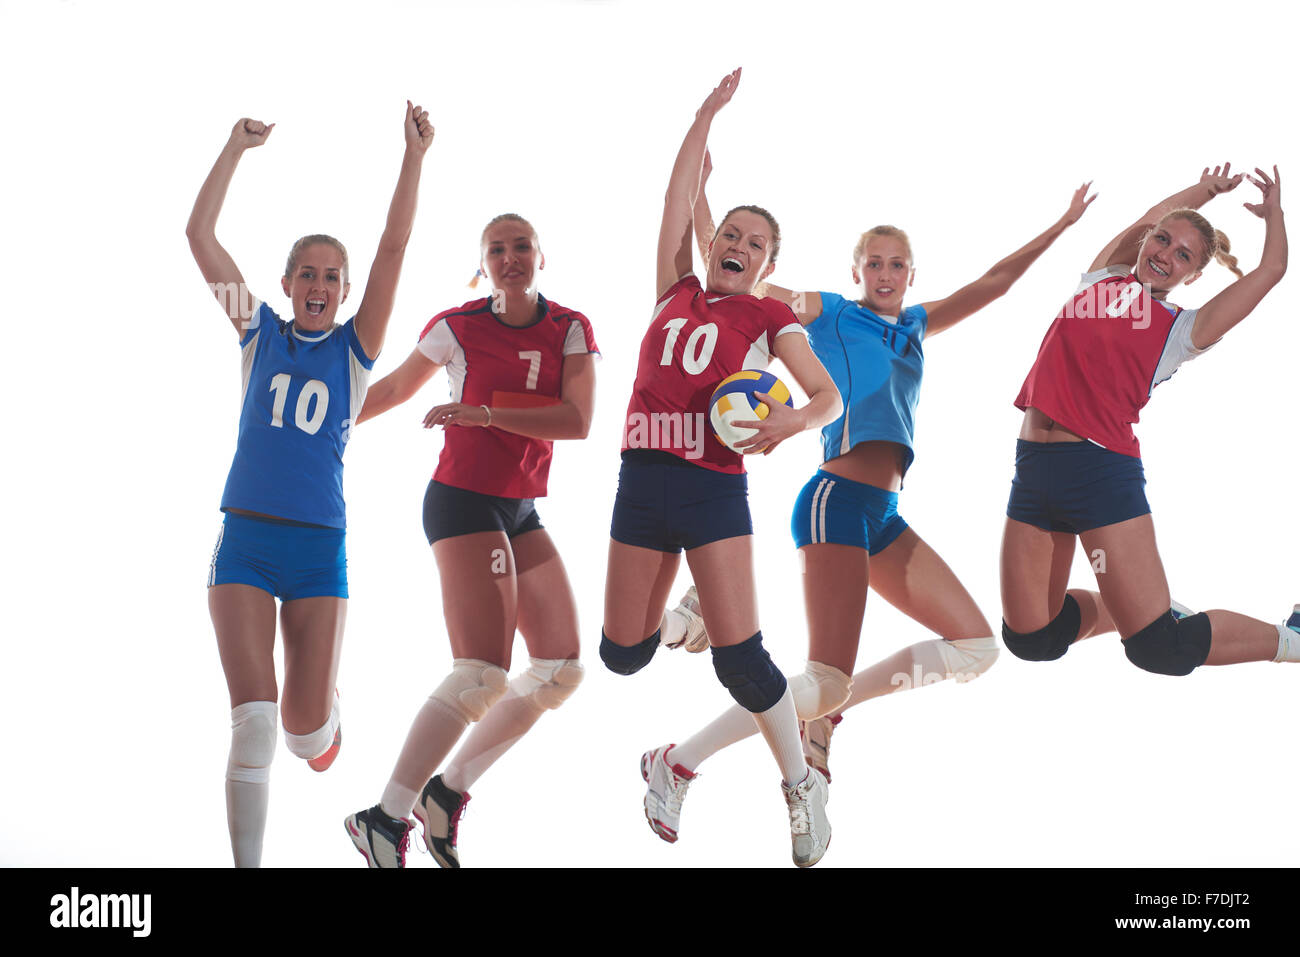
(876, 363)
(302, 393)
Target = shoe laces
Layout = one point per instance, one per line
(800, 822)
(453, 823)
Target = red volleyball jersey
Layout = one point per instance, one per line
(693, 343)
(493, 364)
(1109, 347)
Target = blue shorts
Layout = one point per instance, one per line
(833, 510)
(290, 561)
(666, 503)
(1075, 486)
(451, 511)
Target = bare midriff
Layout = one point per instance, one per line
(1038, 426)
(871, 463)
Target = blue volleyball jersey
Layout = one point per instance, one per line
(876, 364)
(302, 394)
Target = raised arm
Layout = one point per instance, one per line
(1235, 303)
(381, 288)
(219, 270)
(824, 404)
(399, 385)
(568, 418)
(1123, 249)
(945, 313)
(674, 256)
(807, 306)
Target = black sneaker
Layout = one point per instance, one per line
(380, 838)
(439, 810)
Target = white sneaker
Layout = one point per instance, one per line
(696, 639)
(1180, 611)
(816, 738)
(810, 828)
(665, 791)
(1294, 621)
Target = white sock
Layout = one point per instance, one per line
(1288, 644)
(248, 776)
(505, 723)
(779, 726)
(433, 734)
(734, 724)
(924, 663)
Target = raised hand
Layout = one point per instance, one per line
(250, 133)
(419, 131)
(1220, 182)
(1080, 202)
(1272, 190)
(721, 94)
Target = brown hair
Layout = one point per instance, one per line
(892, 232)
(503, 218)
(1216, 243)
(316, 239)
(771, 221)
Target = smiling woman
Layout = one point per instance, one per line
(698, 336)
(522, 375)
(283, 535)
(1078, 470)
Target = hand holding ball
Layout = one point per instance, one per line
(733, 401)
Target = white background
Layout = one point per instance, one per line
(968, 125)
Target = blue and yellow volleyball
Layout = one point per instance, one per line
(733, 401)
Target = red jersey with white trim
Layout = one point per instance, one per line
(501, 366)
(693, 343)
(1108, 349)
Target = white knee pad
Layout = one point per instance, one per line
(252, 742)
(819, 690)
(472, 687)
(548, 682)
(315, 743)
(967, 658)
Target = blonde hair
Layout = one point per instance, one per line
(316, 239)
(893, 232)
(1217, 246)
(771, 221)
(495, 220)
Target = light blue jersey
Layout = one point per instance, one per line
(876, 364)
(302, 393)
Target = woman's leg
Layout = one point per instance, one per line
(548, 621)
(637, 582)
(1038, 622)
(835, 595)
(313, 642)
(244, 619)
(479, 600)
(1134, 587)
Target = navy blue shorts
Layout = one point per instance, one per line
(834, 510)
(288, 560)
(666, 503)
(1075, 486)
(451, 511)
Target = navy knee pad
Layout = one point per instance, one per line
(746, 670)
(1049, 642)
(1170, 646)
(627, 661)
